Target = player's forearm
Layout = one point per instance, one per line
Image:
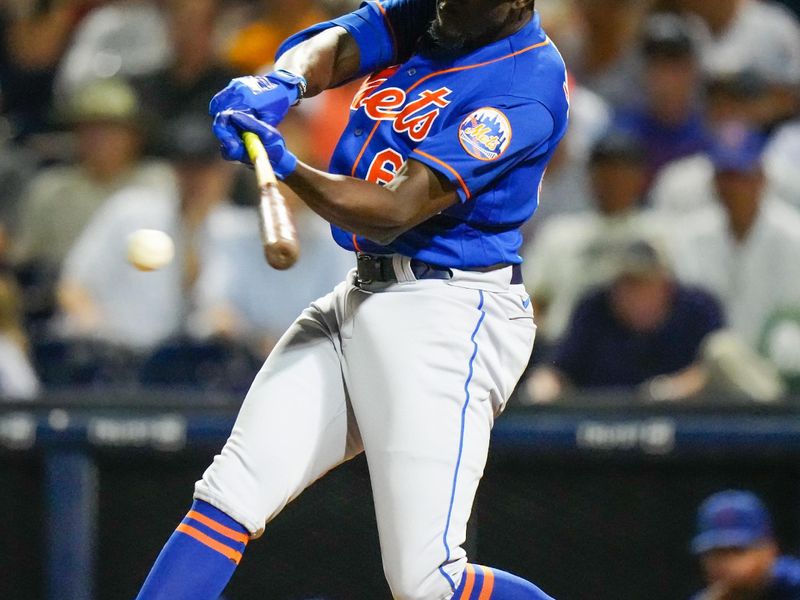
(325, 60)
(364, 208)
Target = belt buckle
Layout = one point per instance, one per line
(365, 262)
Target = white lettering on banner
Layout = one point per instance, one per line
(166, 433)
(654, 436)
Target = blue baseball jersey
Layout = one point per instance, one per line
(487, 120)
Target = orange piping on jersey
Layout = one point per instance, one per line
(488, 584)
(236, 536)
(364, 148)
(355, 244)
(475, 66)
(446, 166)
(454, 69)
(390, 28)
(211, 543)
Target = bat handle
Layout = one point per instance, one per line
(278, 233)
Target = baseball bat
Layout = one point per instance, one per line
(278, 233)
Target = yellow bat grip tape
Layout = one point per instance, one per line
(259, 158)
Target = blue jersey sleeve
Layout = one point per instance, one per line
(486, 142)
(786, 579)
(386, 31)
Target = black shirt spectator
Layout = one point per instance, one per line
(186, 86)
(600, 350)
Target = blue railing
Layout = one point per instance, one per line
(69, 431)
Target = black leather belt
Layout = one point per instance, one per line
(375, 268)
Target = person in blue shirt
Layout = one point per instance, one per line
(738, 552)
(642, 330)
(412, 357)
(669, 122)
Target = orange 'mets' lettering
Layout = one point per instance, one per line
(414, 118)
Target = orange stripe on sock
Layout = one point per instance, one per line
(488, 583)
(469, 583)
(236, 536)
(210, 542)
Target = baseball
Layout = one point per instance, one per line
(150, 249)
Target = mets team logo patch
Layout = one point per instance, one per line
(485, 134)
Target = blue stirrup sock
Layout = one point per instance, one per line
(483, 583)
(199, 559)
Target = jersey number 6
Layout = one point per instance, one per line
(384, 166)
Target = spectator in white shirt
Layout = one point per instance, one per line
(567, 254)
(744, 246)
(239, 296)
(748, 35)
(105, 298)
(121, 38)
(688, 184)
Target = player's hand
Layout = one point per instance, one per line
(282, 160)
(268, 96)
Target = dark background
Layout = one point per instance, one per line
(608, 527)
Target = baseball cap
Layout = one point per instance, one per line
(112, 100)
(639, 256)
(731, 519)
(667, 36)
(617, 145)
(736, 147)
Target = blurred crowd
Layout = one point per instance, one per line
(664, 258)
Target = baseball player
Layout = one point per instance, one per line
(738, 552)
(412, 357)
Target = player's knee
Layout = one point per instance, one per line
(233, 488)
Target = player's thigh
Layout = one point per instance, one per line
(429, 381)
(295, 424)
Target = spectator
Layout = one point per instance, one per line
(743, 247)
(748, 35)
(738, 552)
(669, 122)
(193, 76)
(238, 296)
(33, 38)
(18, 379)
(107, 121)
(121, 38)
(565, 187)
(565, 256)
(103, 297)
(642, 326)
(254, 46)
(688, 184)
(603, 55)
(17, 167)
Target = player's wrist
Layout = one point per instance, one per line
(286, 165)
(295, 85)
